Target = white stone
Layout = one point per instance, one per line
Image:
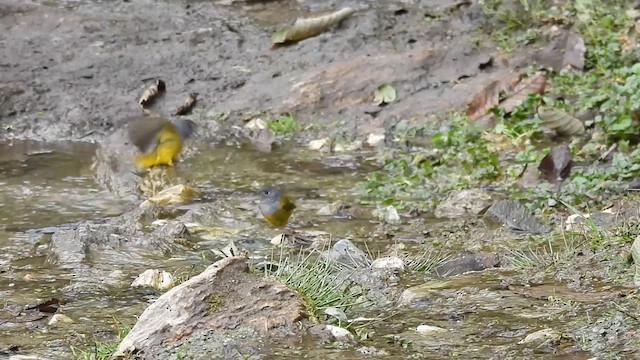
(58, 319)
(389, 262)
(157, 279)
(339, 333)
(428, 329)
(374, 139)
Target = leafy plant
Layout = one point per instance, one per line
(284, 125)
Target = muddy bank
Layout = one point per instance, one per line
(78, 74)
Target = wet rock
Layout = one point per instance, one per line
(339, 333)
(154, 278)
(323, 144)
(221, 301)
(75, 246)
(467, 263)
(172, 229)
(514, 216)
(387, 214)
(346, 252)
(417, 295)
(428, 329)
(58, 319)
(260, 135)
(178, 194)
(392, 263)
(543, 336)
(464, 203)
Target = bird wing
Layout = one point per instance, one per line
(287, 204)
(143, 131)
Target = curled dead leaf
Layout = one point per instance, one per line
(485, 100)
(305, 28)
(188, 105)
(533, 84)
(152, 92)
(558, 120)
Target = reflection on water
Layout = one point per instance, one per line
(43, 184)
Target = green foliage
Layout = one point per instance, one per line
(435, 158)
(283, 125)
(459, 158)
(520, 123)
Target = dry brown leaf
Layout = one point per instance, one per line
(151, 93)
(533, 84)
(309, 27)
(188, 104)
(490, 96)
(485, 99)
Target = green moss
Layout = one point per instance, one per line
(215, 302)
(284, 125)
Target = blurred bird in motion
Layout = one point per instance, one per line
(275, 206)
(159, 139)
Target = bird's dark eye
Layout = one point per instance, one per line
(266, 192)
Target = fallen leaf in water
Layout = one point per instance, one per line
(558, 120)
(567, 51)
(151, 93)
(188, 105)
(533, 84)
(384, 94)
(305, 28)
(556, 166)
(179, 194)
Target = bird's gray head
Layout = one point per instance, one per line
(269, 198)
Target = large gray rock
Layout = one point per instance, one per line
(221, 301)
